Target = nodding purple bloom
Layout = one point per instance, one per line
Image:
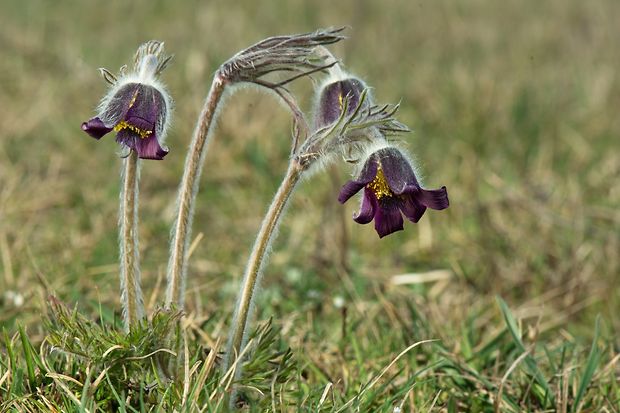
(332, 99)
(137, 107)
(390, 187)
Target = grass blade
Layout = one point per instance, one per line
(28, 356)
(529, 361)
(591, 365)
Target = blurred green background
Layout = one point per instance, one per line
(514, 107)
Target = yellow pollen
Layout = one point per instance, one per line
(379, 185)
(125, 125)
(340, 101)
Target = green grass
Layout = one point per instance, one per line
(514, 108)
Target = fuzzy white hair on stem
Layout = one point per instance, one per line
(131, 292)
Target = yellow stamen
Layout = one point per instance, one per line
(379, 185)
(125, 125)
(340, 101)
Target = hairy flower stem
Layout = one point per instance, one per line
(131, 293)
(251, 278)
(177, 264)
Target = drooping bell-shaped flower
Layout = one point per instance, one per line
(137, 107)
(345, 111)
(391, 188)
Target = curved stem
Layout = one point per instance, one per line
(181, 231)
(251, 278)
(131, 293)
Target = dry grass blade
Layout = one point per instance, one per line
(421, 277)
(328, 387)
(186, 373)
(151, 354)
(205, 372)
(385, 369)
(5, 376)
(430, 409)
(57, 379)
(498, 399)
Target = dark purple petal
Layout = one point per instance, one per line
(412, 209)
(348, 190)
(367, 209)
(127, 138)
(397, 170)
(388, 218)
(117, 107)
(146, 108)
(352, 89)
(141, 123)
(333, 96)
(95, 128)
(369, 171)
(431, 198)
(147, 148)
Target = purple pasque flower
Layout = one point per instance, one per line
(391, 188)
(137, 106)
(333, 95)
